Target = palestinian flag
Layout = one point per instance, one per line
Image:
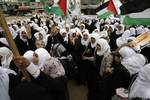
(102, 11)
(136, 12)
(58, 8)
(114, 6)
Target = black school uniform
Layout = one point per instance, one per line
(95, 79)
(24, 46)
(89, 52)
(119, 78)
(113, 37)
(42, 88)
(77, 52)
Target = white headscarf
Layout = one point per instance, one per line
(85, 42)
(42, 32)
(46, 29)
(64, 31)
(4, 41)
(118, 32)
(54, 68)
(123, 39)
(139, 30)
(23, 29)
(6, 55)
(43, 56)
(133, 31)
(132, 61)
(103, 34)
(105, 48)
(82, 30)
(17, 28)
(126, 34)
(72, 31)
(13, 32)
(4, 83)
(141, 86)
(29, 55)
(126, 52)
(96, 37)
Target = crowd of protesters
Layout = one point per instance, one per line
(94, 52)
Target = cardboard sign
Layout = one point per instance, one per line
(141, 40)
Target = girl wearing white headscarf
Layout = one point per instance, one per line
(82, 27)
(104, 47)
(139, 30)
(140, 89)
(120, 29)
(85, 38)
(39, 57)
(16, 28)
(50, 66)
(4, 83)
(93, 40)
(64, 34)
(6, 57)
(131, 60)
(23, 42)
(133, 31)
(124, 38)
(41, 37)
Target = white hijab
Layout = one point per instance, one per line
(141, 86)
(139, 30)
(133, 31)
(36, 35)
(17, 28)
(96, 37)
(43, 56)
(64, 31)
(54, 68)
(23, 29)
(131, 60)
(118, 32)
(46, 29)
(85, 42)
(13, 32)
(29, 55)
(4, 83)
(123, 39)
(6, 55)
(4, 41)
(105, 48)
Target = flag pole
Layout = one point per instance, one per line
(10, 41)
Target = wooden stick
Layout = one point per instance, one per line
(10, 41)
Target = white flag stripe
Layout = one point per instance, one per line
(143, 14)
(117, 5)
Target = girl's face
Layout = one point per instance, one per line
(64, 34)
(85, 37)
(67, 29)
(93, 40)
(39, 44)
(40, 36)
(24, 35)
(98, 47)
(35, 59)
(117, 59)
